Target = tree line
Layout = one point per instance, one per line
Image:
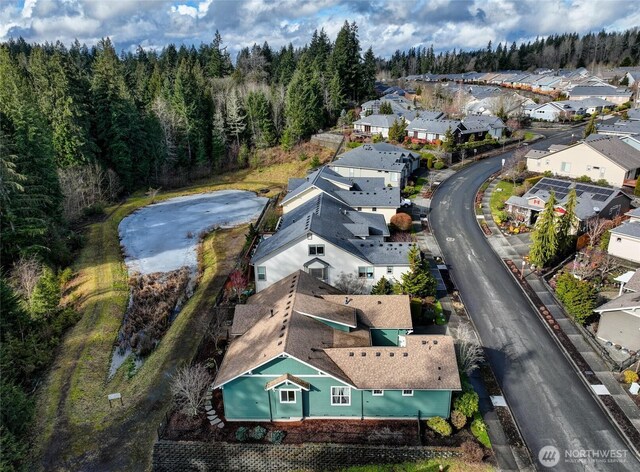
(569, 50)
(81, 126)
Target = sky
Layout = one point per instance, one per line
(384, 25)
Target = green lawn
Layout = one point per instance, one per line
(498, 197)
(432, 465)
(528, 135)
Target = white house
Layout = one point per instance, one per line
(605, 92)
(326, 239)
(367, 194)
(625, 239)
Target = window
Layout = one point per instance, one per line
(374, 209)
(316, 249)
(389, 270)
(377, 393)
(262, 273)
(340, 396)
(407, 393)
(365, 272)
(394, 177)
(588, 167)
(565, 167)
(602, 169)
(287, 396)
(318, 273)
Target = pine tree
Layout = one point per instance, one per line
(417, 281)
(385, 109)
(449, 141)
(591, 126)
(565, 223)
(236, 118)
(382, 287)
(398, 130)
(544, 237)
(368, 75)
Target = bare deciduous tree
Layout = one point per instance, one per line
(595, 227)
(84, 186)
(350, 284)
(25, 275)
(188, 386)
(468, 349)
(215, 328)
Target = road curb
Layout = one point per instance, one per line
(632, 448)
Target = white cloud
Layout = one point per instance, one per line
(385, 25)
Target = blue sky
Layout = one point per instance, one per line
(385, 25)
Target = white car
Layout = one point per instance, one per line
(406, 203)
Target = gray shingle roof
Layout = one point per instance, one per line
(382, 121)
(630, 228)
(621, 127)
(635, 212)
(615, 150)
(333, 222)
(585, 90)
(433, 126)
(624, 301)
(353, 192)
(634, 114)
(380, 156)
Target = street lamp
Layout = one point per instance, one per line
(475, 154)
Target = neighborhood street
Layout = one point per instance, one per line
(550, 403)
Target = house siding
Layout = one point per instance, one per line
(627, 248)
(386, 337)
(620, 328)
(245, 398)
(300, 199)
(293, 257)
(583, 160)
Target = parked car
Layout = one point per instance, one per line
(406, 203)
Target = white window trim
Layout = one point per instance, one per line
(380, 393)
(404, 394)
(316, 246)
(295, 395)
(389, 269)
(259, 276)
(332, 395)
(366, 272)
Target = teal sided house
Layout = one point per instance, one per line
(304, 350)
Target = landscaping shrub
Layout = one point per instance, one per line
(416, 308)
(409, 190)
(479, 430)
(585, 179)
(401, 222)
(439, 165)
(242, 433)
(577, 296)
(458, 419)
(377, 138)
(467, 404)
(629, 376)
(276, 436)
(472, 451)
(315, 162)
(440, 426)
(258, 433)
(501, 216)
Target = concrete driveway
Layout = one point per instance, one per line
(551, 405)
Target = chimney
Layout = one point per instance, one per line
(271, 313)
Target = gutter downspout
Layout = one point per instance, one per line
(362, 404)
(269, 400)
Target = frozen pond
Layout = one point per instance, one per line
(163, 236)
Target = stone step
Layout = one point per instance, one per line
(220, 425)
(216, 421)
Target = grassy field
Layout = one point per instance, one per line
(498, 197)
(76, 428)
(432, 465)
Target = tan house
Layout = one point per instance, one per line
(598, 157)
(625, 239)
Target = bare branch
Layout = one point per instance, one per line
(188, 386)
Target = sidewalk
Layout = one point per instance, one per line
(515, 247)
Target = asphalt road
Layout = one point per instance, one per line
(551, 405)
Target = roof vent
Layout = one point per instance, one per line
(439, 368)
(405, 354)
(379, 302)
(424, 342)
(363, 354)
(435, 341)
(391, 354)
(439, 378)
(346, 300)
(377, 354)
(272, 312)
(351, 354)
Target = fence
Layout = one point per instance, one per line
(173, 456)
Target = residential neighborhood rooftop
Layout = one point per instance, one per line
(616, 150)
(379, 156)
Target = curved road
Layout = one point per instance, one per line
(551, 405)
